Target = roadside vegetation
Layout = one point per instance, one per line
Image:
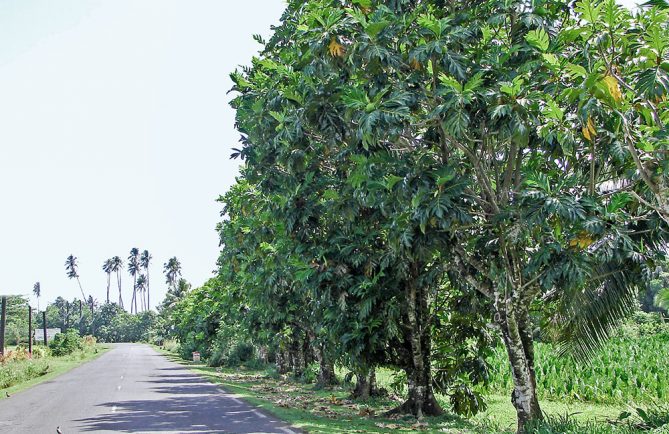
(19, 369)
(445, 203)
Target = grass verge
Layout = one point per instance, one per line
(24, 374)
(330, 411)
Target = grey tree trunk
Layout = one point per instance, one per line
(108, 285)
(326, 373)
(517, 336)
(3, 319)
(420, 400)
(120, 296)
(282, 362)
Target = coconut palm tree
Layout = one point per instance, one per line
(108, 267)
(117, 266)
(144, 262)
(133, 269)
(37, 290)
(141, 289)
(172, 269)
(71, 268)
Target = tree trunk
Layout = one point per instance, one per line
(3, 320)
(365, 385)
(282, 362)
(326, 372)
(297, 357)
(133, 302)
(108, 285)
(120, 295)
(517, 335)
(420, 400)
(81, 288)
(148, 289)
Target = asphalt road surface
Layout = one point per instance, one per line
(131, 388)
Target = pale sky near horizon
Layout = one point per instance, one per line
(116, 133)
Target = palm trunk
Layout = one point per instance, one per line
(82, 289)
(148, 290)
(132, 300)
(517, 336)
(120, 295)
(108, 285)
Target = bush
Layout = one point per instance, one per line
(241, 353)
(644, 324)
(66, 343)
(310, 373)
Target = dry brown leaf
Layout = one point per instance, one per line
(366, 411)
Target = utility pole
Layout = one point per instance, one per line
(30, 331)
(3, 318)
(44, 326)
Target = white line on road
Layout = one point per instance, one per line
(259, 414)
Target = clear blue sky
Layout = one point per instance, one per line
(116, 133)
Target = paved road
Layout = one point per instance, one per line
(131, 388)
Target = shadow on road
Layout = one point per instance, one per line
(189, 404)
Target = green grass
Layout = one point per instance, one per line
(625, 370)
(329, 411)
(16, 376)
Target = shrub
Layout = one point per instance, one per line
(233, 353)
(310, 373)
(65, 343)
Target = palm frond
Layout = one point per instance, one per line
(662, 299)
(661, 4)
(591, 316)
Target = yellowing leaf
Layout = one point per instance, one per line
(588, 130)
(335, 48)
(614, 87)
(415, 65)
(582, 241)
(591, 127)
